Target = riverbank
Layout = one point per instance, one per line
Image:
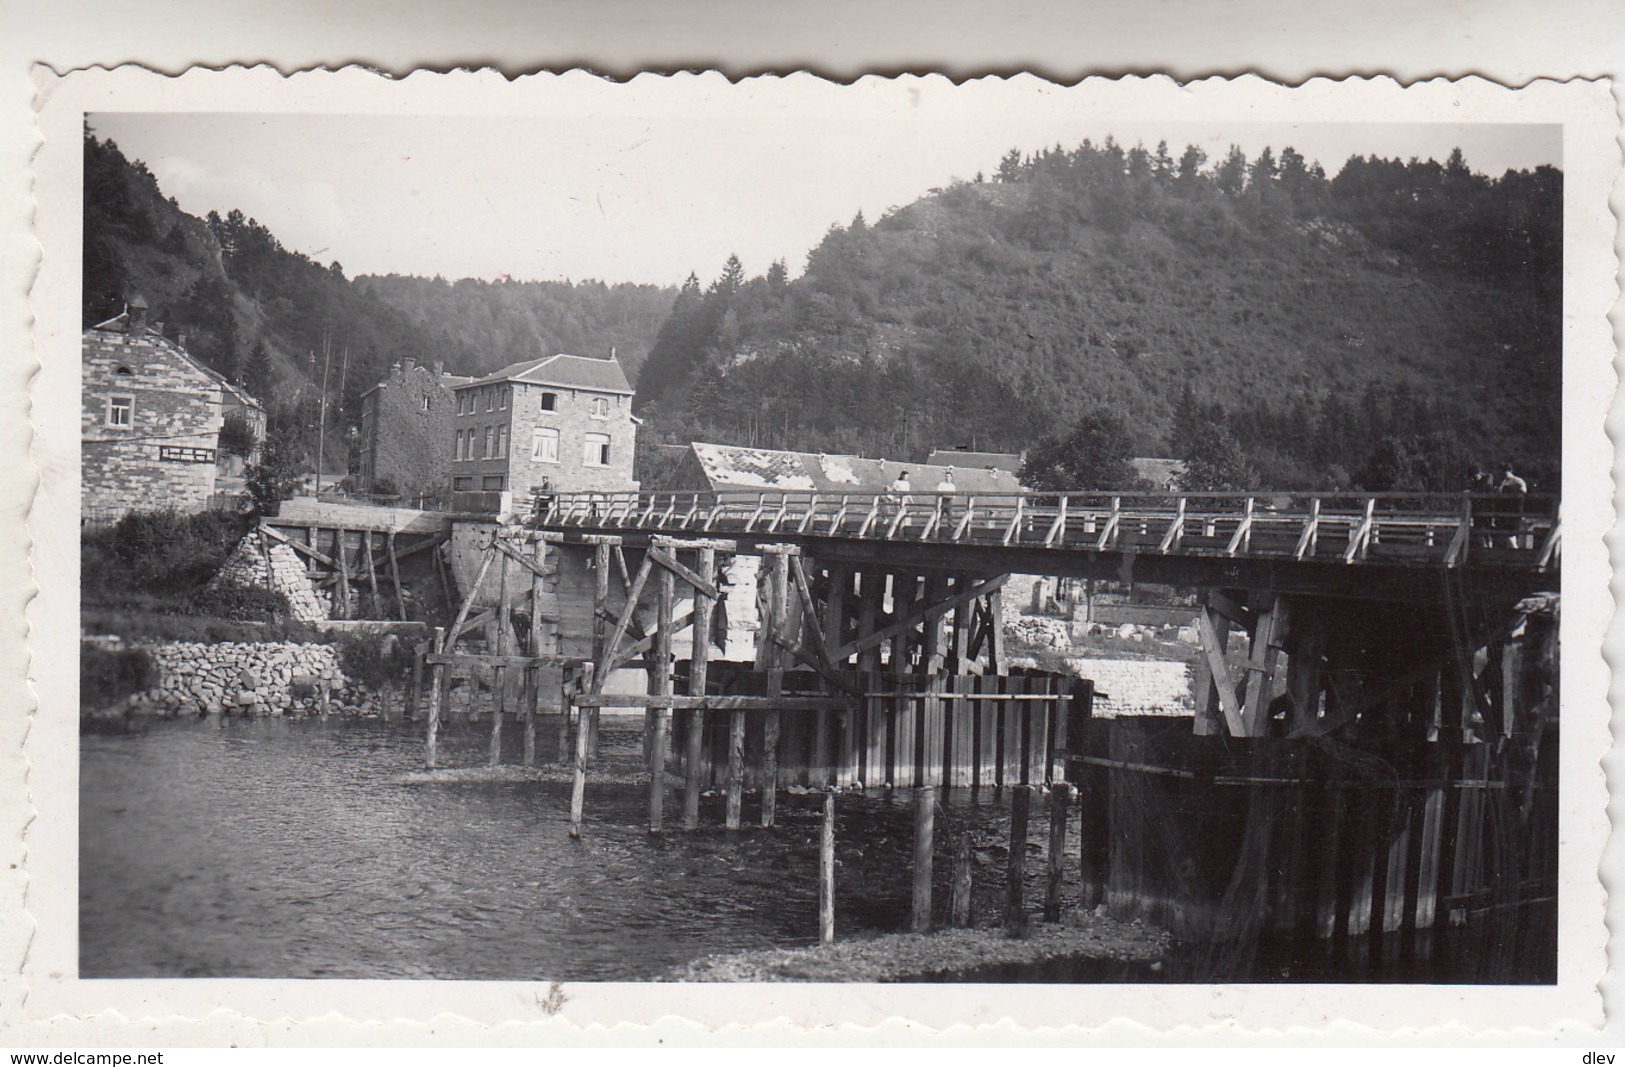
(935, 956)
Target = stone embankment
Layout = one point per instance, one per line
(259, 562)
(268, 678)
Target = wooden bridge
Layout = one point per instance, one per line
(1365, 545)
(1379, 631)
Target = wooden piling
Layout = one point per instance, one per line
(588, 717)
(698, 677)
(578, 780)
(344, 575)
(736, 768)
(660, 674)
(371, 564)
(499, 673)
(436, 696)
(779, 609)
(1015, 912)
(959, 899)
(826, 873)
(925, 807)
(395, 575)
(533, 705)
(1060, 798)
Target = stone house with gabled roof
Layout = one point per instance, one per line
(561, 423)
(150, 420)
(404, 444)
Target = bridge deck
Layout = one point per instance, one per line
(1390, 530)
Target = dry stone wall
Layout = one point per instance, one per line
(1137, 686)
(267, 678)
(247, 566)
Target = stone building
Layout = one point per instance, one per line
(562, 424)
(405, 442)
(150, 421)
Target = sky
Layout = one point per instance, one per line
(648, 194)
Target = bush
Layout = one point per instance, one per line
(107, 676)
(159, 552)
(242, 603)
(373, 661)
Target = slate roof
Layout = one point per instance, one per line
(565, 371)
(962, 459)
(731, 467)
(119, 325)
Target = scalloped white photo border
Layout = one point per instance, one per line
(202, 1011)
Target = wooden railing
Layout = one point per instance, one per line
(1352, 528)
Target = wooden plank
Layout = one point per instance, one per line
(933, 654)
(451, 635)
(871, 588)
(395, 575)
(670, 562)
(475, 659)
(908, 621)
(371, 564)
(925, 807)
(1038, 715)
(344, 575)
(987, 731)
(698, 678)
(500, 671)
(533, 705)
(1223, 685)
(1261, 661)
(904, 765)
(1010, 743)
(307, 549)
(779, 612)
(660, 675)
(625, 618)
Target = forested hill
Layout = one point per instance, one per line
(1391, 324)
(268, 317)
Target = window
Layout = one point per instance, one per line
(545, 447)
(490, 440)
(502, 398)
(600, 407)
(595, 452)
(502, 442)
(458, 454)
(125, 371)
(425, 401)
(462, 484)
(120, 409)
(490, 400)
(550, 401)
(492, 483)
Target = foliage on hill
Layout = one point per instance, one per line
(1271, 324)
(288, 327)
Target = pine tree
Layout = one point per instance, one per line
(257, 373)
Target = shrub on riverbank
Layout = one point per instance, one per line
(242, 603)
(160, 558)
(372, 661)
(146, 619)
(107, 676)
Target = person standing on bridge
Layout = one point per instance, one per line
(1515, 489)
(945, 501)
(897, 494)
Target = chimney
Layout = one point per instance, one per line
(137, 312)
(180, 340)
(408, 364)
(158, 325)
(439, 369)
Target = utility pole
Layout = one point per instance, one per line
(321, 423)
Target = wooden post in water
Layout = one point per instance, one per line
(698, 670)
(500, 672)
(344, 575)
(588, 717)
(1059, 798)
(533, 703)
(395, 575)
(779, 609)
(436, 695)
(1015, 912)
(369, 562)
(959, 897)
(660, 723)
(925, 808)
(578, 781)
(826, 873)
(736, 768)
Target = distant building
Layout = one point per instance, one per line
(730, 468)
(561, 423)
(150, 420)
(963, 459)
(405, 440)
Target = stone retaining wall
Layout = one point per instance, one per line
(269, 678)
(247, 567)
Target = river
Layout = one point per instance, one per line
(283, 848)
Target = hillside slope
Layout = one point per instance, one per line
(1314, 318)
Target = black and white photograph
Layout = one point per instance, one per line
(926, 534)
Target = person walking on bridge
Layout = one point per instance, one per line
(1515, 489)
